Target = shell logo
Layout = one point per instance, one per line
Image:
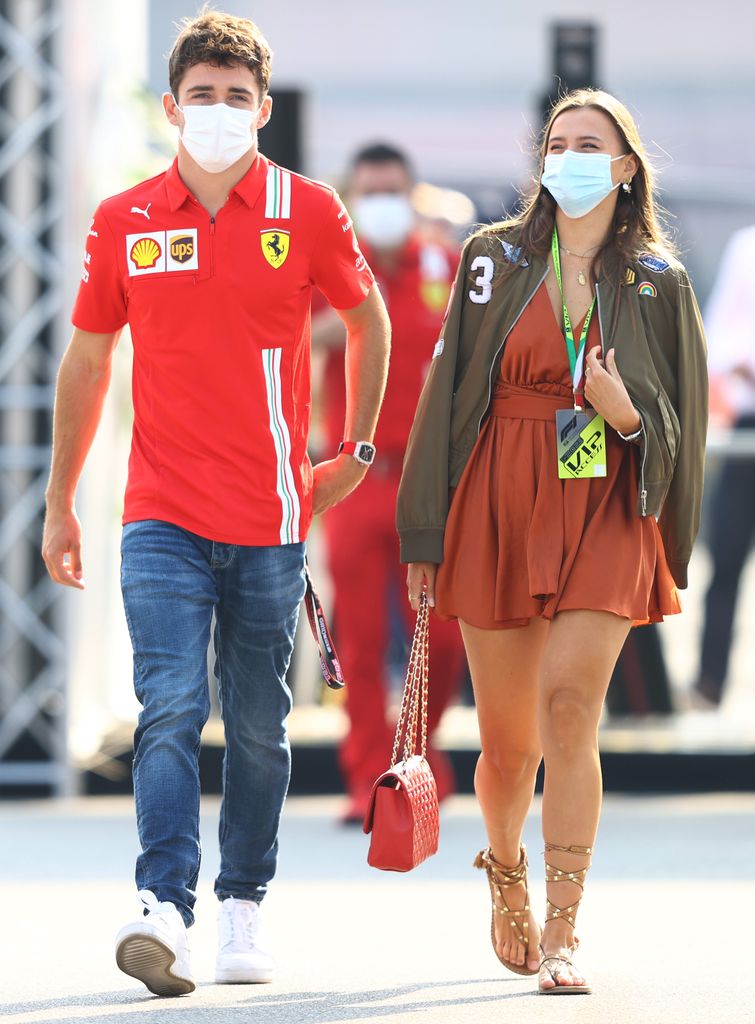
(145, 252)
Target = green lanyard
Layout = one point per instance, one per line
(576, 355)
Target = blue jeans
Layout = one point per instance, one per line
(172, 581)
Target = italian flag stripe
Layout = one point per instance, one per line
(270, 192)
(278, 194)
(285, 485)
(285, 194)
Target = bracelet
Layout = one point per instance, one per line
(630, 437)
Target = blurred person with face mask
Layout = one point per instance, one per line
(415, 279)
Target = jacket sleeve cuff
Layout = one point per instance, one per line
(679, 572)
(422, 545)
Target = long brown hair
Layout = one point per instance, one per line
(637, 225)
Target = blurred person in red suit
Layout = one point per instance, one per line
(415, 274)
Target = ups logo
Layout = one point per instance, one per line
(182, 248)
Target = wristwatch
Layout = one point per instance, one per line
(362, 451)
(631, 437)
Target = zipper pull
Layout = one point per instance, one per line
(644, 502)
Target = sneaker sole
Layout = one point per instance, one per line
(148, 960)
(243, 977)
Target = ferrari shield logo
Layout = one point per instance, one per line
(275, 246)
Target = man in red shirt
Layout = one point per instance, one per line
(212, 264)
(415, 277)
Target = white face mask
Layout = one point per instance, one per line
(217, 136)
(384, 219)
(579, 181)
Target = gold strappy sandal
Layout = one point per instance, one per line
(554, 962)
(501, 878)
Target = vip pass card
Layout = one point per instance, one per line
(581, 444)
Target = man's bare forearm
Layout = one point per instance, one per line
(83, 381)
(367, 354)
(80, 393)
(367, 351)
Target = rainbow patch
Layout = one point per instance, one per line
(646, 288)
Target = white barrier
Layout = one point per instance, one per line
(733, 444)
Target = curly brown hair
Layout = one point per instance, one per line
(221, 40)
(637, 226)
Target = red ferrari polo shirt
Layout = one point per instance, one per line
(219, 311)
(416, 294)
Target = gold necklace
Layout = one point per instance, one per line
(580, 256)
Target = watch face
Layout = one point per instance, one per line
(365, 453)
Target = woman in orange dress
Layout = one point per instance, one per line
(564, 420)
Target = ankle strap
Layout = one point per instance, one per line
(580, 851)
(505, 876)
(556, 874)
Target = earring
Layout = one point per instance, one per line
(627, 186)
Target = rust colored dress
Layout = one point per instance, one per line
(519, 541)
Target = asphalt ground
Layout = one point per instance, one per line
(664, 924)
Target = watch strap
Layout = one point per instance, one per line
(358, 450)
(630, 437)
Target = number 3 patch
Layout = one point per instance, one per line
(483, 281)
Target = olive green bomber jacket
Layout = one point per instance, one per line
(659, 343)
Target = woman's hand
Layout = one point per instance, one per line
(421, 576)
(605, 391)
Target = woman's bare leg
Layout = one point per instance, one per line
(577, 662)
(505, 669)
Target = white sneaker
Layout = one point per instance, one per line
(156, 949)
(244, 953)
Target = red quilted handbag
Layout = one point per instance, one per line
(403, 811)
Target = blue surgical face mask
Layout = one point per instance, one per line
(579, 181)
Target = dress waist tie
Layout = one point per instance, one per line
(527, 403)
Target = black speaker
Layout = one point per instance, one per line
(573, 60)
(281, 138)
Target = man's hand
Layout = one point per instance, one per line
(61, 548)
(335, 479)
(606, 393)
(83, 381)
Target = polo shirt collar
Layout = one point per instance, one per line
(253, 182)
(175, 188)
(248, 188)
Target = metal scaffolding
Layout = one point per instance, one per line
(32, 652)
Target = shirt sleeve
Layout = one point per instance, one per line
(338, 268)
(679, 520)
(100, 305)
(423, 496)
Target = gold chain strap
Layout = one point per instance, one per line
(412, 718)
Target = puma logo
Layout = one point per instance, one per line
(144, 212)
